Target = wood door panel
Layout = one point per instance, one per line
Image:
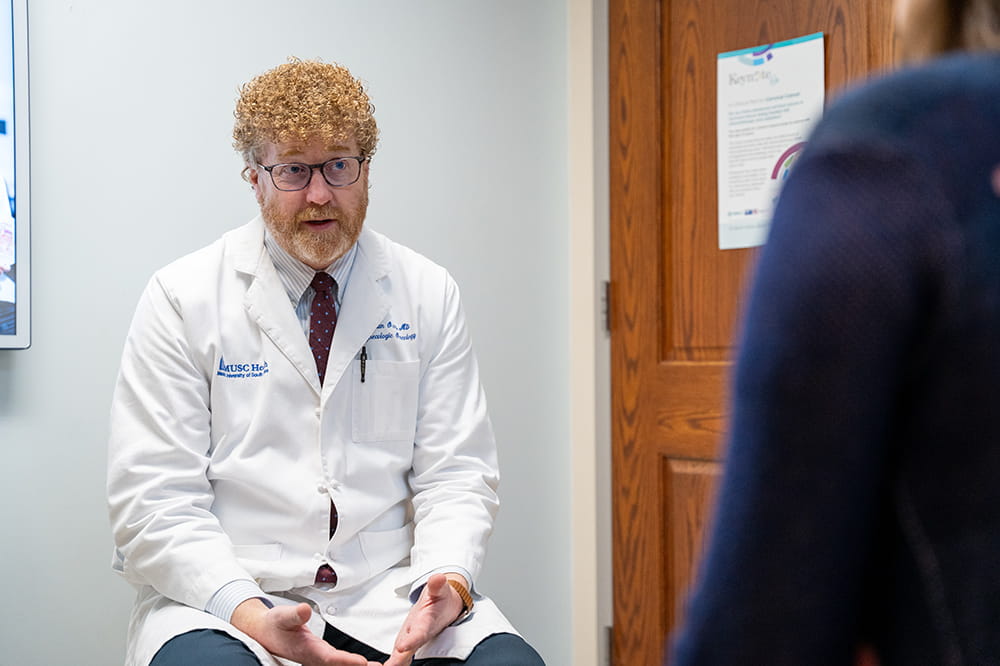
(675, 297)
(700, 282)
(685, 401)
(689, 493)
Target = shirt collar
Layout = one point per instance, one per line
(296, 276)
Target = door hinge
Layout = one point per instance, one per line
(606, 305)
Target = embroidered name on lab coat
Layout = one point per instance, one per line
(389, 331)
(241, 370)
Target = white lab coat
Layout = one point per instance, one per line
(225, 451)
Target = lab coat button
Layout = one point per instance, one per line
(331, 610)
(321, 488)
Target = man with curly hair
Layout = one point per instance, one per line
(301, 463)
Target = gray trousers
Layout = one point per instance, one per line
(208, 647)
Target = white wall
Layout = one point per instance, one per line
(132, 167)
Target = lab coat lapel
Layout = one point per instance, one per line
(267, 301)
(364, 306)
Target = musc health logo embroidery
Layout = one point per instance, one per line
(241, 370)
(389, 331)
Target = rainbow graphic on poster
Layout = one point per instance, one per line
(784, 164)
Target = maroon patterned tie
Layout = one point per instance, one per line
(322, 322)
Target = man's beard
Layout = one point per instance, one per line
(318, 249)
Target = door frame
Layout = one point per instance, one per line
(589, 350)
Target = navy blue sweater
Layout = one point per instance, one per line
(861, 496)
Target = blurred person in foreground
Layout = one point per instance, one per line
(859, 513)
(301, 462)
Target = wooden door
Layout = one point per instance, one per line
(675, 298)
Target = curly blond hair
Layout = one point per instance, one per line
(303, 100)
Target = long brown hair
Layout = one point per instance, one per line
(932, 27)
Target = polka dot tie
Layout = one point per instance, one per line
(322, 322)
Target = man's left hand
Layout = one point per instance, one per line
(438, 606)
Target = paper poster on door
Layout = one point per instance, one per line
(769, 99)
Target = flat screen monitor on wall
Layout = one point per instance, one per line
(15, 236)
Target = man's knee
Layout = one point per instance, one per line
(204, 647)
(504, 650)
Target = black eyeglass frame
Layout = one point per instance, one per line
(313, 167)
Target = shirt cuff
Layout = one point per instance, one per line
(232, 594)
(418, 585)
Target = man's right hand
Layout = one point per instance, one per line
(283, 632)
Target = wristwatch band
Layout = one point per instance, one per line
(463, 593)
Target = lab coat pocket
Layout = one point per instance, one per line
(385, 403)
(267, 566)
(386, 548)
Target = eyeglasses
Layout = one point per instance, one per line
(338, 172)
